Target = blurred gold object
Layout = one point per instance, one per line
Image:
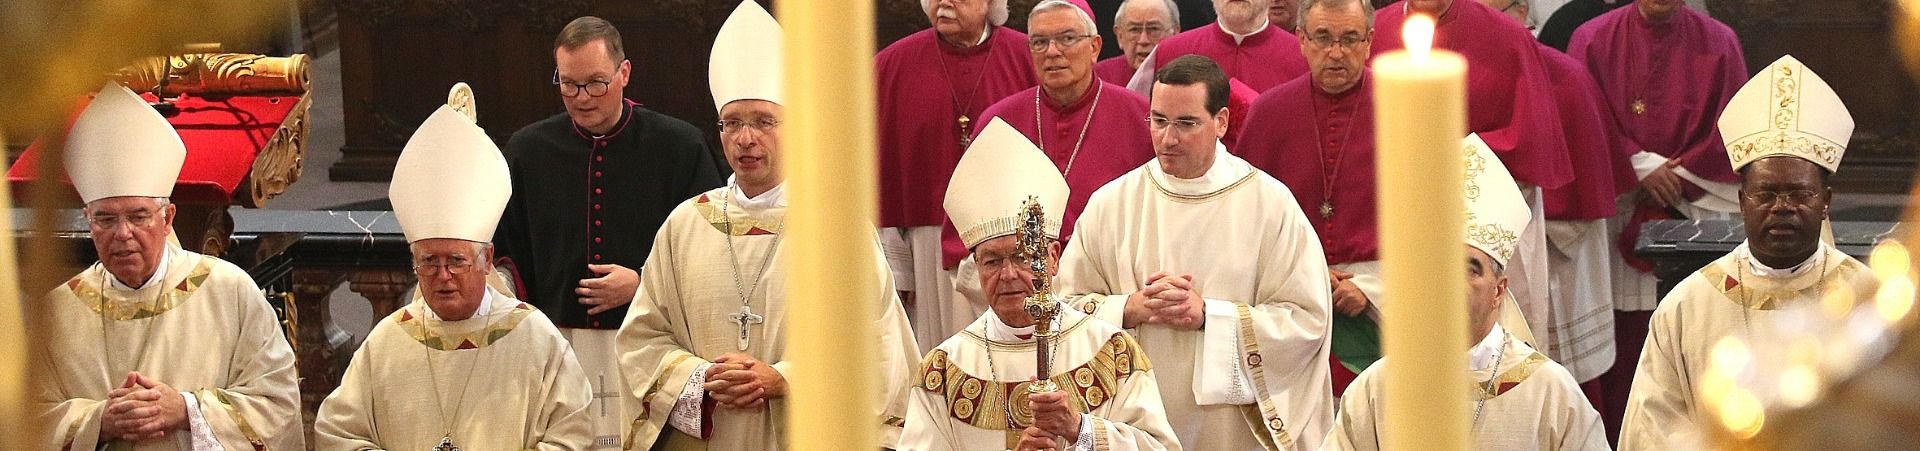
(218, 73)
(1906, 34)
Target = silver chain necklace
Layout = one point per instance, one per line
(745, 316)
(1041, 132)
(446, 421)
(1493, 370)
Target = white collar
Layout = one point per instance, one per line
(1238, 38)
(1483, 354)
(1757, 268)
(486, 304)
(776, 197)
(985, 31)
(1226, 170)
(159, 272)
(999, 330)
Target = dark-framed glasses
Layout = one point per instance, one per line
(595, 88)
(1349, 41)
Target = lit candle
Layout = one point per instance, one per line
(1420, 118)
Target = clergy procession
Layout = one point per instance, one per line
(1180, 246)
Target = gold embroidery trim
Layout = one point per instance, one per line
(646, 403)
(1100, 440)
(246, 430)
(1771, 298)
(741, 227)
(414, 323)
(1516, 375)
(1197, 198)
(1251, 357)
(96, 298)
(986, 404)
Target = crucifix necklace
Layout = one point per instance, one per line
(446, 420)
(1487, 389)
(1339, 156)
(745, 317)
(1041, 131)
(960, 109)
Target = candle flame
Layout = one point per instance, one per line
(1418, 34)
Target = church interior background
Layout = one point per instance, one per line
(309, 220)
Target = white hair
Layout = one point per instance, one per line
(1173, 11)
(996, 10)
(159, 204)
(1087, 25)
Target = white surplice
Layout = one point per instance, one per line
(1256, 377)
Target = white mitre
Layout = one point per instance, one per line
(746, 60)
(996, 175)
(450, 181)
(1496, 214)
(1786, 110)
(120, 146)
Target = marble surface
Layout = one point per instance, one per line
(1718, 237)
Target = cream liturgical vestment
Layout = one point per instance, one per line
(1526, 402)
(690, 310)
(501, 380)
(1785, 111)
(971, 391)
(202, 328)
(1734, 296)
(1256, 375)
(197, 324)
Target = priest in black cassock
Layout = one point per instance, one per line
(590, 189)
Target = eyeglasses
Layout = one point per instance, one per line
(1350, 41)
(594, 88)
(456, 267)
(1516, 4)
(1795, 197)
(138, 220)
(1179, 125)
(1039, 44)
(761, 124)
(1136, 30)
(993, 265)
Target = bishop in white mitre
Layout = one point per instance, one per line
(972, 390)
(1785, 132)
(157, 347)
(704, 342)
(1212, 264)
(1521, 399)
(464, 366)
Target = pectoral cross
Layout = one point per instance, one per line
(446, 444)
(743, 318)
(966, 131)
(1326, 210)
(1639, 106)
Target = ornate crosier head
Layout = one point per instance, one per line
(1033, 245)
